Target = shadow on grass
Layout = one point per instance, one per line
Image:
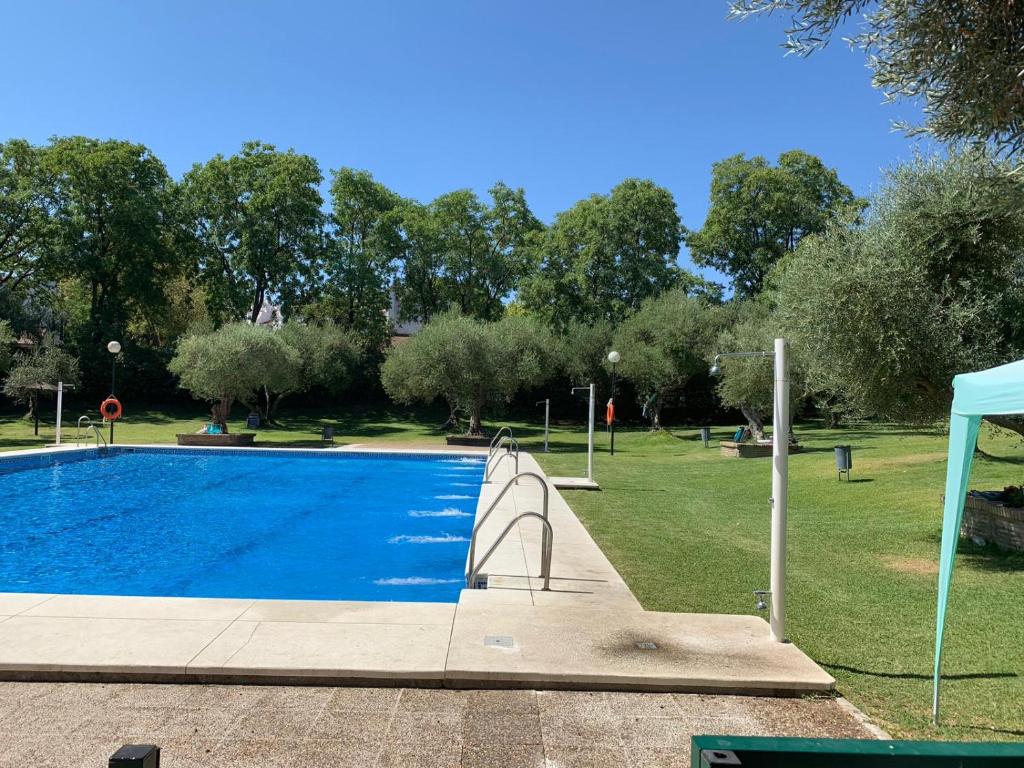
(918, 675)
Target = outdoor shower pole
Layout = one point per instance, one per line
(780, 475)
(60, 405)
(590, 432)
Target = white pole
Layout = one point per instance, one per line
(590, 434)
(60, 404)
(780, 486)
(547, 414)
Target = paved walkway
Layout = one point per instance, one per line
(79, 725)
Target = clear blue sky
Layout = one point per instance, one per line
(562, 97)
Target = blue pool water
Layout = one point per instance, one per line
(266, 524)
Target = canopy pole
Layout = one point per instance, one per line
(963, 436)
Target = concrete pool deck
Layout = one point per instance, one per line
(587, 632)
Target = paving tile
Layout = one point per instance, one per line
(15, 602)
(501, 728)
(574, 702)
(642, 704)
(579, 731)
(584, 757)
(432, 700)
(346, 651)
(364, 699)
(273, 723)
(428, 728)
(655, 757)
(421, 756)
(662, 732)
(237, 697)
(349, 612)
(503, 756)
(502, 701)
(118, 607)
(350, 727)
(67, 753)
(116, 645)
(190, 752)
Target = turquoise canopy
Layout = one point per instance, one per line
(993, 392)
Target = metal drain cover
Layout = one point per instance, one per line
(647, 645)
(499, 641)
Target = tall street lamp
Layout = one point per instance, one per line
(113, 347)
(780, 479)
(613, 358)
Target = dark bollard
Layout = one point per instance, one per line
(136, 756)
(844, 460)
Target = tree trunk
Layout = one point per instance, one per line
(755, 421)
(272, 413)
(474, 420)
(220, 412)
(655, 411)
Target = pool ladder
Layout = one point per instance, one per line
(473, 568)
(97, 432)
(512, 450)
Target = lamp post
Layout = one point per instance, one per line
(113, 347)
(613, 358)
(780, 479)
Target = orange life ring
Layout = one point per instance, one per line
(111, 409)
(609, 414)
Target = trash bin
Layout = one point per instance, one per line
(705, 435)
(844, 460)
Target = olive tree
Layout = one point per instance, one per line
(327, 358)
(469, 363)
(748, 384)
(235, 362)
(886, 314)
(664, 344)
(960, 59)
(44, 366)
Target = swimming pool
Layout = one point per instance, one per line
(231, 523)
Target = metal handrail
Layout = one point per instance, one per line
(545, 554)
(491, 467)
(78, 428)
(497, 446)
(99, 436)
(496, 439)
(487, 513)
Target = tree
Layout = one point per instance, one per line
(363, 245)
(960, 59)
(469, 363)
(664, 344)
(886, 314)
(749, 383)
(26, 208)
(327, 357)
(235, 362)
(256, 222)
(463, 253)
(111, 212)
(44, 366)
(583, 351)
(759, 213)
(6, 342)
(604, 256)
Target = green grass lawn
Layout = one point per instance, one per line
(688, 530)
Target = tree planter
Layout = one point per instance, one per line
(472, 441)
(235, 440)
(751, 450)
(993, 522)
